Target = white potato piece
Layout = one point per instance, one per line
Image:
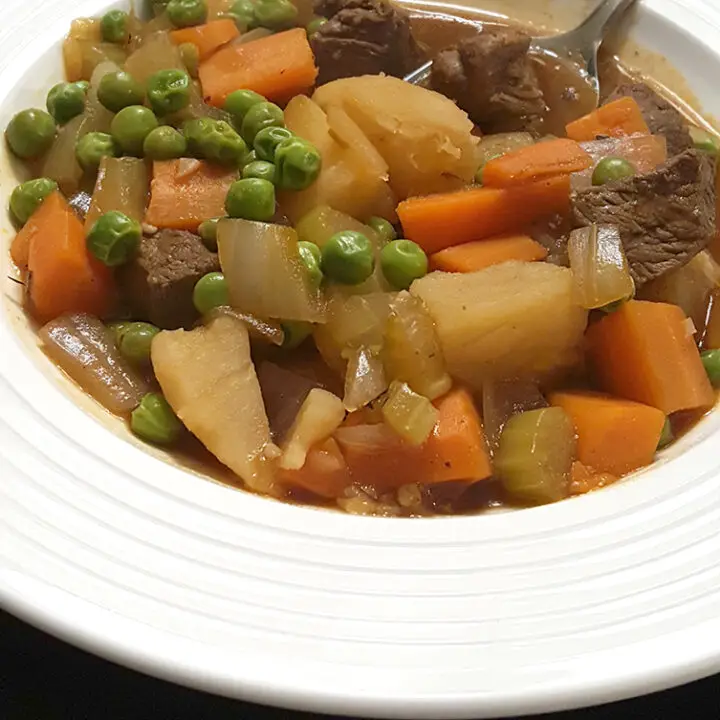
(319, 417)
(354, 177)
(512, 321)
(424, 138)
(208, 377)
(689, 287)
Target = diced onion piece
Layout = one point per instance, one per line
(61, 164)
(258, 328)
(255, 34)
(265, 274)
(410, 415)
(319, 417)
(599, 266)
(494, 146)
(353, 321)
(412, 350)
(83, 347)
(122, 184)
(365, 379)
(535, 456)
(503, 399)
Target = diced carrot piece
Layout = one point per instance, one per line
(278, 67)
(63, 276)
(325, 472)
(481, 254)
(209, 37)
(613, 436)
(455, 451)
(185, 192)
(616, 119)
(645, 352)
(20, 248)
(436, 222)
(536, 162)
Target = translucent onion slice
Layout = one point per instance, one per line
(122, 184)
(265, 274)
(600, 269)
(365, 379)
(83, 347)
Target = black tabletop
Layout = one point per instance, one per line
(42, 679)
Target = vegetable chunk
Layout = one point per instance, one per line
(613, 436)
(511, 321)
(208, 377)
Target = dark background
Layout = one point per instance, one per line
(42, 679)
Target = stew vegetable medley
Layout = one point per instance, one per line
(245, 234)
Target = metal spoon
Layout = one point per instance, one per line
(581, 44)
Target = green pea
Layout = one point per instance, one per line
(29, 196)
(66, 101)
(298, 164)
(93, 147)
(383, 228)
(191, 58)
(259, 116)
(131, 126)
(208, 233)
(402, 262)
(194, 131)
(612, 168)
(186, 13)
(314, 25)
(119, 90)
(164, 143)
(114, 238)
(221, 144)
(711, 361)
(154, 421)
(259, 169)
(117, 329)
(251, 199)
(275, 14)
(666, 436)
(704, 141)
(348, 258)
(267, 141)
(30, 133)
(238, 104)
(243, 13)
(211, 291)
(295, 333)
(135, 340)
(114, 27)
(168, 91)
(312, 259)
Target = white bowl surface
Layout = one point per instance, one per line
(107, 545)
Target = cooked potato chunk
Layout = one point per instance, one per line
(354, 177)
(516, 320)
(209, 379)
(425, 139)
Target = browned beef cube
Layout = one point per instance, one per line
(662, 118)
(491, 77)
(665, 217)
(158, 283)
(363, 37)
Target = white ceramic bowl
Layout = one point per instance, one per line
(110, 547)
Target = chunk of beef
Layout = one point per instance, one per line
(491, 77)
(665, 217)
(158, 283)
(662, 118)
(363, 37)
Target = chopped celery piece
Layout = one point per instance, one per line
(535, 455)
(410, 415)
